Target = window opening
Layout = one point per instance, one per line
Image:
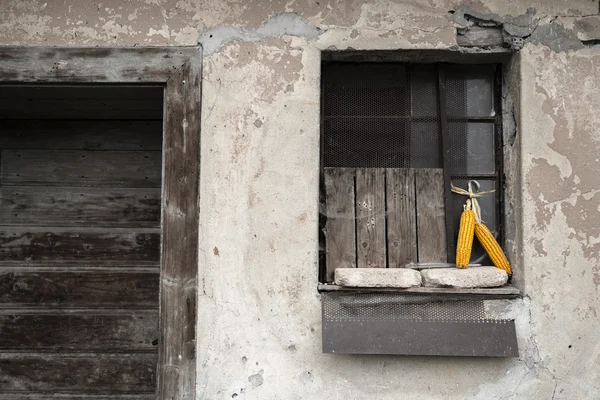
(394, 115)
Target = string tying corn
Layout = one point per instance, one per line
(482, 232)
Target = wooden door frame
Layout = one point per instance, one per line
(179, 69)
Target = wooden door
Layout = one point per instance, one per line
(179, 71)
(80, 204)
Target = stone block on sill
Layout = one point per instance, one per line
(378, 277)
(474, 277)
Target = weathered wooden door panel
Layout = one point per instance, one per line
(129, 169)
(17, 244)
(103, 285)
(80, 256)
(84, 330)
(69, 206)
(81, 135)
(78, 373)
(89, 250)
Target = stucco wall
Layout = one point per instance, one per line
(259, 311)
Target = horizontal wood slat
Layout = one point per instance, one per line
(78, 373)
(81, 135)
(78, 289)
(81, 168)
(73, 206)
(90, 64)
(90, 109)
(133, 331)
(59, 396)
(57, 245)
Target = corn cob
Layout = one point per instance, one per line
(465, 237)
(492, 247)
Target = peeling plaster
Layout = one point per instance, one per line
(289, 24)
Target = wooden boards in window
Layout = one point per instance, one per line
(431, 226)
(340, 213)
(401, 221)
(370, 218)
(383, 217)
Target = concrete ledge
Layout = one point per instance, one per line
(475, 277)
(377, 277)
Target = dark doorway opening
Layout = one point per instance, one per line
(80, 234)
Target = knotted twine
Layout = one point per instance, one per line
(472, 202)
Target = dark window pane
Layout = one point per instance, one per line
(425, 145)
(471, 148)
(424, 83)
(469, 90)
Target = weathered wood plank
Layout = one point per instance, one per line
(401, 218)
(17, 245)
(340, 228)
(137, 95)
(107, 289)
(89, 331)
(81, 135)
(78, 373)
(180, 216)
(431, 220)
(63, 396)
(370, 218)
(80, 168)
(70, 206)
(89, 64)
(22, 107)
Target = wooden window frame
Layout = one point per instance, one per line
(179, 69)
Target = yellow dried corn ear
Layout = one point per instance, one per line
(492, 247)
(465, 238)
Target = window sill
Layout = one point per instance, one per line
(503, 292)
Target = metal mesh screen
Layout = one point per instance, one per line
(394, 306)
(380, 115)
(396, 323)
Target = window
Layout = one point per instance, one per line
(395, 135)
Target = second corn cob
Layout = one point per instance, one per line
(492, 247)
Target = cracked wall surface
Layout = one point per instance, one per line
(259, 311)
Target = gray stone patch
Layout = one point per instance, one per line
(258, 123)
(286, 23)
(256, 379)
(474, 277)
(556, 37)
(588, 28)
(377, 277)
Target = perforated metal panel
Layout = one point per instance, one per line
(396, 323)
